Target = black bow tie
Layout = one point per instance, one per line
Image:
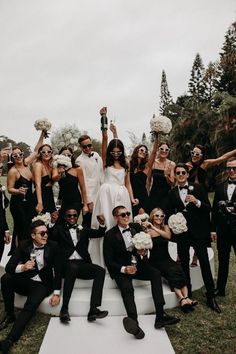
(126, 230)
(91, 154)
(72, 226)
(232, 182)
(184, 187)
(38, 248)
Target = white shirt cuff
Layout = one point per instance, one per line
(122, 269)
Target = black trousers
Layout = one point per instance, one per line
(200, 247)
(225, 241)
(144, 272)
(80, 269)
(35, 292)
(87, 218)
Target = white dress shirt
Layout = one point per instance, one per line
(230, 190)
(75, 254)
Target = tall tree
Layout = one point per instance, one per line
(227, 72)
(209, 78)
(196, 83)
(165, 98)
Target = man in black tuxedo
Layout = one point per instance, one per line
(5, 235)
(73, 240)
(192, 201)
(118, 250)
(224, 223)
(32, 278)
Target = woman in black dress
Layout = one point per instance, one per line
(42, 172)
(160, 258)
(71, 182)
(161, 178)
(19, 185)
(140, 166)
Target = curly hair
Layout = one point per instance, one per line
(116, 143)
(134, 163)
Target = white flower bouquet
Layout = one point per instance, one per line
(177, 223)
(160, 124)
(61, 160)
(44, 125)
(140, 218)
(46, 218)
(142, 241)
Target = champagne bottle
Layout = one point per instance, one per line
(104, 122)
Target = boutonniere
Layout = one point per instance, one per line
(80, 227)
(191, 188)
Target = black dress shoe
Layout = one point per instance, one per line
(131, 326)
(64, 316)
(211, 302)
(218, 292)
(96, 314)
(5, 345)
(6, 321)
(165, 320)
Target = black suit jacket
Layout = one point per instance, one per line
(221, 220)
(50, 274)
(114, 249)
(198, 219)
(62, 235)
(3, 221)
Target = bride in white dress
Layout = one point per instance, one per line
(115, 190)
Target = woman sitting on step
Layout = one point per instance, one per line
(160, 258)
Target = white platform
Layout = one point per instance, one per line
(112, 301)
(104, 336)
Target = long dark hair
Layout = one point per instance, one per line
(134, 159)
(203, 151)
(116, 143)
(39, 158)
(72, 153)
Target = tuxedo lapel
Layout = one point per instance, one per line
(225, 186)
(68, 238)
(120, 238)
(180, 204)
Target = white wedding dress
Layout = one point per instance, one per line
(111, 194)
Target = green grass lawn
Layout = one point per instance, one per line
(201, 332)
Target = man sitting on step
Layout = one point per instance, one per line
(73, 240)
(118, 249)
(33, 270)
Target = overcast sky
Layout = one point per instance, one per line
(64, 59)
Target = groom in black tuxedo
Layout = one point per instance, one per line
(224, 223)
(35, 279)
(118, 250)
(73, 240)
(192, 201)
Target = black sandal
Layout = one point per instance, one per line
(186, 308)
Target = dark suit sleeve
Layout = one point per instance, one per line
(57, 265)
(214, 214)
(113, 266)
(202, 195)
(95, 233)
(17, 257)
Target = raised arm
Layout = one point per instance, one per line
(37, 171)
(213, 162)
(33, 155)
(152, 155)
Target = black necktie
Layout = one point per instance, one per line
(184, 187)
(71, 226)
(91, 154)
(232, 182)
(126, 230)
(39, 248)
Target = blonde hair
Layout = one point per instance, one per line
(153, 212)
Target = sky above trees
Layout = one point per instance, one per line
(66, 59)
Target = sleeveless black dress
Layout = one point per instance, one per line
(170, 270)
(22, 211)
(159, 190)
(69, 193)
(138, 182)
(47, 195)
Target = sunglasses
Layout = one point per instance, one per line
(231, 169)
(42, 233)
(20, 154)
(86, 146)
(71, 215)
(44, 152)
(116, 153)
(164, 149)
(143, 150)
(197, 154)
(161, 216)
(123, 215)
(178, 173)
